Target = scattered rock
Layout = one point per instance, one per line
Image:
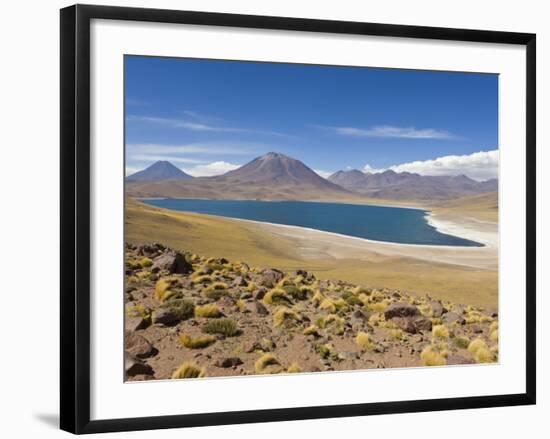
(260, 293)
(134, 367)
(173, 262)
(138, 346)
(240, 282)
(452, 317)
(423, 324)
(260, 309)
(401, 310)
(165, 316)
(437, 308)
(228, 362)
(135, 323)
(269, 277)
(406, 324)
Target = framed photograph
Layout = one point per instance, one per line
(268, 218)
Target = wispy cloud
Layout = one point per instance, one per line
(198, 148)
(157, 157)
(481, 165)
(392, 132)
(196, 125)
(210, 169)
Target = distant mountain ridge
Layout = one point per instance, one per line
(159, 171)
(407, 185)
(273, 176)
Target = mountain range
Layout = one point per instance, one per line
(407, 185)
(275, 176)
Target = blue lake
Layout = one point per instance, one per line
(378, 223)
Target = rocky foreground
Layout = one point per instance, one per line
(188, 316)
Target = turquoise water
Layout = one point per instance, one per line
(378, 223)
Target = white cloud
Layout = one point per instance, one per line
(394, 132)
(157, 157)
(480, 166)
(368, 168)
(129, 170)
(200, 126)
(324, 174)
(196, 148)
(210, 169)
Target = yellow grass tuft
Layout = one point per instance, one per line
(311, 330)
(332, 322)
(476, 345)
(225, 327)
(285, 317)
(363, 339)
(210, 311)
(397, 334)
(430, 357)
(202, 279)
(188, 370)
(199, 342)
(216, 290)
(267, 363)
(165, 288)
(294, 368)
(462, 342)
(440, 331)
(328, 305)
(277, 296)
(145, 262)
(251, 287)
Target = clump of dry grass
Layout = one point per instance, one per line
(181, 308)
(333, 323)
(210, 310)
(145, 262)
(480, 351)
(251, 287)
(285, 317)
(188, 370)
(201, 278)
(216, 290)
(462, 342)
(328, 305)
(166, 287)
(311, 330)
(294, 368)
(267, 363)
(440, 331)
(277, 296)
(431, 357)
(326, 351)
(199, 342)
(139, 311)
(363, 339)
(224, 326)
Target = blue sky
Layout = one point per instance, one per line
(209, 116)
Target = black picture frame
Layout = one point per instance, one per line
(75, 217)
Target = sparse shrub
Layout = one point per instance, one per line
(284, 282)
(188, 370)
(139, 311)
(294, 368)
(181, 308)
(295, 292)
(462, 342)
(251, 287)
(268, 363)
(328, 305)
(199, 342)
(375, 319)
(484, 355)
(476, 344)
(285, 317)
(317, 298)
(360, 290)
(209, 310)
(326, 351)
(351, 299)
(494, 335)
(241, 304)
(201, 279)
(397, 334)
(333, 323)
(224, 326)
(378, 306)
(166, 287)
(430, 357)
(440, 331)
(363, 339)
(216, 290)
(277, 296)
(311, 330)
(145, 262)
